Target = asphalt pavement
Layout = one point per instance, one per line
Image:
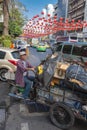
(18, 116)
(36, 57)
(21, 119)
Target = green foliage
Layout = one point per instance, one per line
(16, 22)
(5, 41)
(14, 29)
(16, 18)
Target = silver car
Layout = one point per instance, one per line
(20, 44)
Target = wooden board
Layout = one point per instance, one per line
(61, 67)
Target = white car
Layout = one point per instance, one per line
(8, 61)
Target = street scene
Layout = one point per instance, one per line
(43, 65)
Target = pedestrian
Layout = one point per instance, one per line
(12, 46)
(23, 66)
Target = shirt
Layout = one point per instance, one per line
(19, 77)
(25, 73)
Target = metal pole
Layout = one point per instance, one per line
(66, 13)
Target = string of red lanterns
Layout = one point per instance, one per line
(41, 26)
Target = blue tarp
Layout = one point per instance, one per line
(77, 72)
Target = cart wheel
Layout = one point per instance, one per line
(62, 116)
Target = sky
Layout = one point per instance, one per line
(35, 7)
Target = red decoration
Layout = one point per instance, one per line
(39, 27)
(55, 17)
(42, 13)
(48, 15)
(40, 18)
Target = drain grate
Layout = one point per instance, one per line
(37, 107)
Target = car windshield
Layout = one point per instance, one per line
(15, 55)
(52, 41)
(41, 44)
(22, 43)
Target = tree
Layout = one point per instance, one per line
(14, 29)
(12, 10)
(16, 22)
(6, 16)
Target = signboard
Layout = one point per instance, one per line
(80, 35)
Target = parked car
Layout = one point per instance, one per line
(55, 45)
(8, 61)
(47, 45)
(73, 51)
(41, 47)
(19, 44)
(52, 42)
(34, 45)
(35, 42)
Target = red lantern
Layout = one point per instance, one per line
(37, 16)
(45, 20)
(40, 18)
(61, 19)
(42, 13)
(79, 21)
(73, 20)
(66, 20)
(55, 17)
(48, 15)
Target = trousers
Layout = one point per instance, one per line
(28, 85)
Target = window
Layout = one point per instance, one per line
(59, 48)
(76, 50)
(74, 38)
(15, 55)
(2, 55)
(67, 49)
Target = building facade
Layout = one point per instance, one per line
(62, 8)
(77, 10)
(55, 13)
(62, 12)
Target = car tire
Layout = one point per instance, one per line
(2, 73)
